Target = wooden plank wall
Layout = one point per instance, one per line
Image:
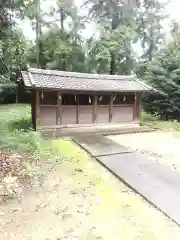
(59, 114)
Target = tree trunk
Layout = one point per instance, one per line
(64, 63)
(114, 25)
(151, 44)
(113, 64)
(62, 18)
(37, 33)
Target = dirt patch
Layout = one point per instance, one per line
(80, 200)
(160, 146)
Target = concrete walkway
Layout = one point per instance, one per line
(155, 182)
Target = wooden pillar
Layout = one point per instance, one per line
(94, 115)
(77, 109)
(136, 109)
(111, 108)
(59, 109)
(37, 108)
(33, 109)
(17, 90)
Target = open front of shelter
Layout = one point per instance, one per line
(78, 99)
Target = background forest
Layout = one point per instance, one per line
(101, 36)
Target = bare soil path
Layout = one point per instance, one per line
(80, 200)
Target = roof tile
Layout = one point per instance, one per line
(52, 79)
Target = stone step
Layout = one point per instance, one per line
(52, 134)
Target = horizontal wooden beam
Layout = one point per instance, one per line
(48, 106)
(75, 92)
(85, 106)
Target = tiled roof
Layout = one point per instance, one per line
(51, 79)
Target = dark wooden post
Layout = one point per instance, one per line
(37, 108)
(59, 109)
(139, 106)
(94, 117)
(136, 109)
(77, 109)
(111, 108)
(33, 108)
(17, 90)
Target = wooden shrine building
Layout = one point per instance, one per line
(79, 99)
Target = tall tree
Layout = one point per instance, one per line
(61, 45)
(61, 51)
(117, 24)
(150, 16)
(38, 32)
(13, 56)
(163, 73)
(12, 41)
(175, 30)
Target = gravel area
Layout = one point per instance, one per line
(159, 146)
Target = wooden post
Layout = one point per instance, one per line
(94, 115)
(136, 109)
(111, 108)
(139, 106)
(33, 107)
(37, 108)
(17, 91)
(59, 109)
(77, 109)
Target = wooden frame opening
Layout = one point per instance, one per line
(58, 108)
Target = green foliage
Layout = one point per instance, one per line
(7, 93)
(15, 127)
(149, 19)
(119, 26)
(112, 51)
(18, 149)
(154, 121)
(12, 55)
(60, 51)
(164, 75)
(147, 117)
(61, 46)
(12, 42)
(123, 26)
(21, 141)
(15, 116)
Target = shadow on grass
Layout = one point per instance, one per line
(22, 124)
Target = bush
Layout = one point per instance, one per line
(15, 129)
(147, 117)
(24, 124)
(15, 116)
(156, 122)
(21, 141)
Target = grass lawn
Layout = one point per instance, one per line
(11, 112)
(155, 122)
(80, 200)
